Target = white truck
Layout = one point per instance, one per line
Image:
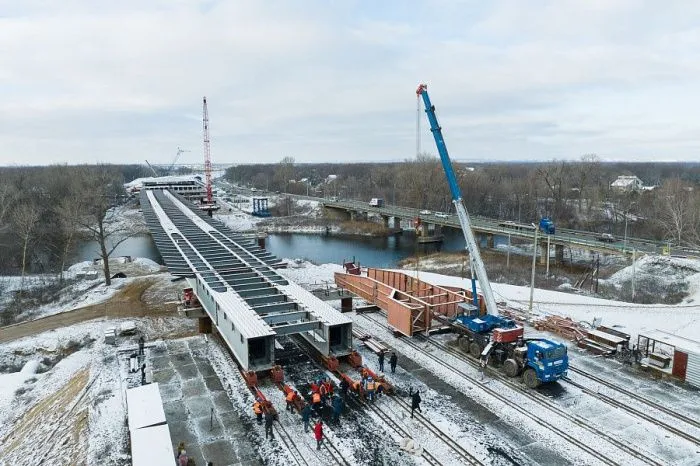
(376, 202)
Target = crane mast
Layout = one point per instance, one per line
(474, 256)
(207, 151)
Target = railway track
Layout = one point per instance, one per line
(290, 445)
(646, 401)
(335, 453)
(636, 412)
(464, 455)
(542, 401)
(396, 427)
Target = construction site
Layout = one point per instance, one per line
(231, 355)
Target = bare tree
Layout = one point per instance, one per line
(585, 176)
(555, 176)
(101, 217)
(69, 211)
(8, 197)
(283, 173)
(676, 208)
(25, 219)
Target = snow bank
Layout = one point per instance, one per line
(147, 264)
(10, 383)
(659, 273)
(306, 273)
(80, 266)
(237, 220)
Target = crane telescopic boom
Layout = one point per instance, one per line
(472, 246)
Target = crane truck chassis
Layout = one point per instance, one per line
(499, 342)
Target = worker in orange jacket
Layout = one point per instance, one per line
(291, 396)
(316, 402)
(258, 410)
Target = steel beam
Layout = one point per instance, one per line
(301, 327)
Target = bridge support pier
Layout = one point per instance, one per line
(543, 254)
(397, 223)
(559, 253)
(385, 221)
(429, 233)
(490, 242)
(204, 325)
(346, 304)
(261, 240)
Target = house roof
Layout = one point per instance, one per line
(624, 181)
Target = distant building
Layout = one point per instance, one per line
(191, 187)
(627, 183)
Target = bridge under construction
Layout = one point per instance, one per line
(237, 287)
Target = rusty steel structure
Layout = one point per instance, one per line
(412, 305)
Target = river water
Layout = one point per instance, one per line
(321, 249)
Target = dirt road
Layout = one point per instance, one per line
(128, 302)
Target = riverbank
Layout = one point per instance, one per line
(307, 225)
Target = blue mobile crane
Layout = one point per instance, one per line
(492, 338)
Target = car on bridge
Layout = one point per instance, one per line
(425, 212)
(606, 238)
(441, 215)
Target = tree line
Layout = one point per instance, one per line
(45, 211)
(575, 194)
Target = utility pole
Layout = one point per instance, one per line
(508, 253)
(547, 271)
(532, 276)
(634, 270)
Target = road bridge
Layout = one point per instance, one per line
(241, 294)
(491, 228)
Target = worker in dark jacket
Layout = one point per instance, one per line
(381, 361)
(269, 420)
(338, 405)
(392, 362)
(306, 416)
(415, 401)
(344, 385)
(142, 342)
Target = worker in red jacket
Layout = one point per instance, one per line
(329, 387)
(318, 434)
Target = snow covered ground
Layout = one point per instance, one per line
(81, 290)
(66, 404)
(60, 391)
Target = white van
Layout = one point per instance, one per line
(376, 202)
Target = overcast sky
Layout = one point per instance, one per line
(122, 81)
